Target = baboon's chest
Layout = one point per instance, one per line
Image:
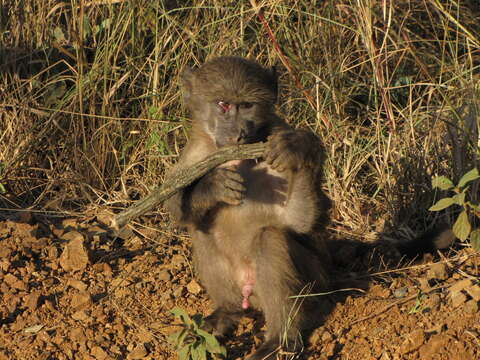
(265, 186)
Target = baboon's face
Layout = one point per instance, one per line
(232, 98)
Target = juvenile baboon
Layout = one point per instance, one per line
(251, 222)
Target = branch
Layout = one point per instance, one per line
(184, 177)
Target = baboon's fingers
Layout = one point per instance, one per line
(232, 197)
(234, 186)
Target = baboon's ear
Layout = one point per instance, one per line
(274, 76)
(186, 82)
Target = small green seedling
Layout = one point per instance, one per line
(193, 343)
(462, 227)
(418, 306)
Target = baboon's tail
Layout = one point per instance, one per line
(438, 238)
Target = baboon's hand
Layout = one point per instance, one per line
(224, 184)
(293, 150)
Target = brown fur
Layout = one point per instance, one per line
(251, 222)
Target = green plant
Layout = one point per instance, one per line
(193, 343)
(462, 227)
(418, 306)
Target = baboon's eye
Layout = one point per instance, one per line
(224, 106)
(245, 105)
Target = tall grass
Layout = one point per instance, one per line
(90, 109)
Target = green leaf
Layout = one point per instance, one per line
(184, 353)
(2, 189)
(199, 353)
(178, 338)
(213, 346)
(462, 226)
(469, 176)
(197, 321)
(459, 199)
(173, 338)
(442, 183)
(442, 204)
(105, 24)
(58, 34)
(475, 239)
(182, 315)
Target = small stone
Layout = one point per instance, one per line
(438, 271)
(471, 307)
(105, 218)
(329, 349)
(177, 261)
(52, 253)
(80, 316)
(434, 346)
(424, 285)
(433, 301)
(179, 292)
(98, 353)
(401, 292)
(474, 292)
(10, 279)
(413, 341)
(69, 224)
(460, 285)
(81, 301)
(458, 299)
(78, 335)
(19, 285)
(194, 287)
(74, 256)
(77, 284)
(31, 300)
(326, 336)
(139, 352)
(164, 275)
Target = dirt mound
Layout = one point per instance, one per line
(69, 290)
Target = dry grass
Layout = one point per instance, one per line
(90, 110)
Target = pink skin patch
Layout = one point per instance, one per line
(225, 106)
(247, 290)
(247, 287)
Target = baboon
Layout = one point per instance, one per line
(252, 222)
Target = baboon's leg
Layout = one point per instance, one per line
(277, 280)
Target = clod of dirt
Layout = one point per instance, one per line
(74, 257)
(77, 284)
(471, 307)
(460, 285)
(458, 299)
(194, 287)
(164, 275)
(139, 352)
(474, 292)
(81, 301)
(31, 300)
(179, 291)
(99, 354)
(433, 346)
(80, 316)
(412, 342)
(438, 271)
(401, 292)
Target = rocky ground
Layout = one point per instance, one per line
(69, 290)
